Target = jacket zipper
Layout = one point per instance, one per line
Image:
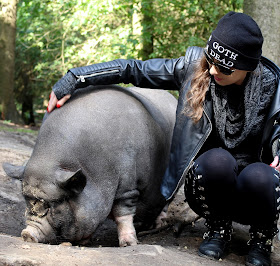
(84, 77)
(190, 163)
(261, 153)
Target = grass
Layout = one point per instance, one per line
(9, 127)
(20, 130)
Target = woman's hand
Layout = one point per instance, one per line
(275, 164)
(54, 102)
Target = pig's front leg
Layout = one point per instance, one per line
(123, 210)
(126, 230)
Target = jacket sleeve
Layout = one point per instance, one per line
(275, 141)
(152, 73)
(271, 134)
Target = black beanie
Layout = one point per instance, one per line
(236, 42)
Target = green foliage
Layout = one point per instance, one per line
(53, 36)
(179, 24)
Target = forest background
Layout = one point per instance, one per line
(40, 40)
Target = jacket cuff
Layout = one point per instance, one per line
(276, 148)
(66, 85)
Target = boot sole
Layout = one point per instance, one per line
(208, 257)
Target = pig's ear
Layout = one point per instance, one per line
(13, 171)
(71, 181)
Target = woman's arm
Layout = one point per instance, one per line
(152, 73)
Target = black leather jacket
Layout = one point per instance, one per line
(174, 74)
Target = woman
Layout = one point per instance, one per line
(225, 141)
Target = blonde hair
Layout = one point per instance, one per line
(196, 95)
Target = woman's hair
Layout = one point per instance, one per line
(199, 87)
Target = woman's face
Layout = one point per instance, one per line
(237, 77)
(222, 74)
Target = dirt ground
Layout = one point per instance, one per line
(163, 247)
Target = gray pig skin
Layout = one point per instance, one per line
(104, 152)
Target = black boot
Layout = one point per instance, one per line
(261, 246)
(216, 239)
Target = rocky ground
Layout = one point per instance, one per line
(155, 248)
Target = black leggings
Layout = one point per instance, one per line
(215, 189)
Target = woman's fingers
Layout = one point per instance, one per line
(63, 100)
(275, 163)
(54, 102)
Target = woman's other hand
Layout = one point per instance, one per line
(275, 164)
(54, 102)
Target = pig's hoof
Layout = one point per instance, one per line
(161, 220)
(28, 237)
(128, 240)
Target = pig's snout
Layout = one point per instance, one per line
(30, 234)
(38, 231)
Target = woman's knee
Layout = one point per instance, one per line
(256, 178)
(211, 182)
(257, 194)
(217, 165)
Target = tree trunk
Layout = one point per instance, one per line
(267, 14)
(147, 29)
(7, 62)
(27, 113)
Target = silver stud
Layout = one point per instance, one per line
(201, 197)
(201, 188)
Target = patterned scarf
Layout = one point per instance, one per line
(240, 110)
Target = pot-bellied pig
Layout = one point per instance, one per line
(103, 153)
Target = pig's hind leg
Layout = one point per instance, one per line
(124, 210)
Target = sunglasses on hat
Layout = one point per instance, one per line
(223, 69)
